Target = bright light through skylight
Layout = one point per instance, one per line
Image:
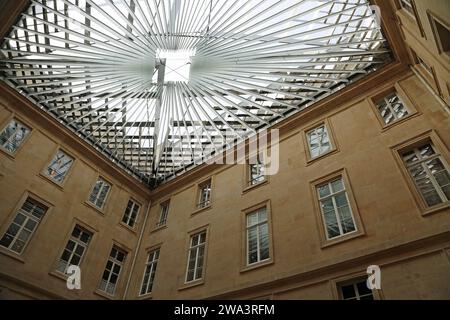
(177, 64)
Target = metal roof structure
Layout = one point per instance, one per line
(159, 85)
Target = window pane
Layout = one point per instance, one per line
(347, 223)
(12, 136)
(59, 166)
(332, 224)
(348, 292)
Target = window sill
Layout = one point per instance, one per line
(191, 284)
(398, 122)
(127, 227)
(311, 161)
(10, 155)
(103, 294)
(59, 275)
(347, 237)
(436, 209)
(257, 265)
(201, 210)
(56, 184)
(147, 296)
(255, 186)
(90, 205)
(158, 228)
(11, 254)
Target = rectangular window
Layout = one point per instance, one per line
(75, 249)
(408, 6)
(13, 135)
(23, 226)
(164, 212)
(391, 108)
(150, 270)
(429, 172)
(442, 35)
(99, 193)
(355, 290)
(257, 231)
(196, 257)
(318, 141)
(256, 173)
(59, 167)
(112, 271)
(131, 213)
(336, 210)
(204, 194)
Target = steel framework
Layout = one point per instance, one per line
(95, 66)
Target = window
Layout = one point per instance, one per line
(131, 213)
(391, 108)
(318, 141)
(442, 35)
(13, 135)
(150, 270)
(257, 231)
(336, 210)
(256, 173)
(59, 167)
(429, 172)
(75, 249)
(204, 194)
(164, 212)
(355, 290)
(196, 257)
(99, 193)
(112, 270)
(408, 6)
(23, 226)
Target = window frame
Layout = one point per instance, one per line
(54, 271)
(4, 124)
(148, 252)
(433, 18)
(93, 205)
(165, 203)
(244, 240)
(198, 186)
(182, 278)
(331, 136)
(136, 221)
(196, 247)
(82, 226)
(405, 99)
(126, 251)
(320, 221)
(13, 213)
(352, 278)
(50, 159)
(432, 137)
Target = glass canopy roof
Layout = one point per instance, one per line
(158, 85)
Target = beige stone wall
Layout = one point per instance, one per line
(390, 215)
(420, 36)
(409, 244)
(20, 175)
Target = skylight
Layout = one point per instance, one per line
(177, 64)
(154, 84)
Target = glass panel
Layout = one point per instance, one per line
(59, 166)
(347, 223)
(348, 292)
(337, 185)
(19, 219)
(332, 224)
(324, 191)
